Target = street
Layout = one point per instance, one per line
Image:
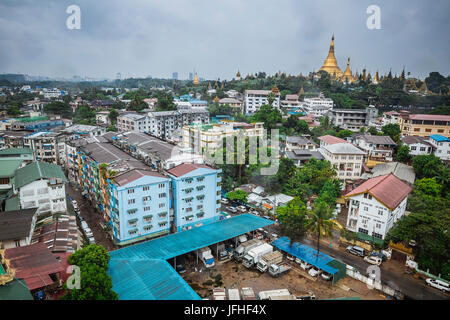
(92, 218)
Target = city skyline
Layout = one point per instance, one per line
(218, 39)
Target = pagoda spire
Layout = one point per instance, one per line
(330, 65)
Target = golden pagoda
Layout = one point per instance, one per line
(376, 80)
(424, 88)
(347, 77)
(196, 79)
(238, 75)
(330, 65)
(301, 92)
(216, 99)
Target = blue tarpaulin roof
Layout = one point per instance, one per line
(305, 253)
(131, 280)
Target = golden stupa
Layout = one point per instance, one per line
(238, 75)
(330, 65)
(216, 99)
(376, 80)
(196, 79)
(347, 77)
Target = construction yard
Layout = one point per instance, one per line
(231, 275)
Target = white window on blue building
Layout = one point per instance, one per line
(130, 191)
(162, 195)
(146, 188)
(132, 211)
(146, 208)
(162, 205)
(131, 201)
(161, 185)
(147, 228)
(147, 198)
(133, 231)
(148, 218)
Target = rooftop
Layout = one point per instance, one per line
(431, 117)
(133, 175)
(377, 139)
(37, 170)
(185, 168)
(439, 138)
(8, 167)
(331, 139)
(16, 224)
(343, 148)
(400, 170)
(387, 189)
(140, 272)
(14, 151)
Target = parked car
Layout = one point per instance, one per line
(224, 201)
(305, 265)
(91, 240)
(242, 208)
(231, 209)
(314, 272)
(325, 276)
(180, 268)
(267, 217)
(256, 213)
(373, 260)
(290, 257)
(310, 296)
(88, 232)
(298, 261)
(84, 225)
(360, 252)
(438, 284)
(380, 255)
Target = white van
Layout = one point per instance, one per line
(438, 284)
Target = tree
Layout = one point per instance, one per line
(392, 130)
(403, 154)
(344, 134)
(111, 128)
(84, 115)
(113, 114)
(13, 110)
(59, 108)
(373, 131)
(238, 195)
(96, 284)
(319, 222)
(269, 115)
(427, 166)
(293, 219)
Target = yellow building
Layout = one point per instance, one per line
(424, 125)
(196, 79)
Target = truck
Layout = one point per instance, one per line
(242, 250)
(206, 257)
(268, 295)
(247, 293)
(223, 253)
(275, 270)
(253, 256)
(267, 260)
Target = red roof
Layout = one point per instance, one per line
(387, 189)
(185, 168)
(429, 117)
(33, 264)
(331, 139)
(133, 175)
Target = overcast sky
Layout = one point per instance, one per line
(158, 37)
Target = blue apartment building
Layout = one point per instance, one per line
(140, 204)
(196, 192)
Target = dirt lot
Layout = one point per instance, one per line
(232, 275)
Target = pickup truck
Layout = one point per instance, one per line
(276, 270)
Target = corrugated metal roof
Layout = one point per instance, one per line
(140, 272)
(16, 151)
(37, 170)
(306, 253)
(8, 167)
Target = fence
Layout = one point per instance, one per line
(372, 283)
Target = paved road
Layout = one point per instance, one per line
(91, 217)
(410, 287)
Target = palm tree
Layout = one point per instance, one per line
(320, 221)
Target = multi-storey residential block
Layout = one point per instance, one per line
(343, 156)
(317, 106)
(196, 195)
(290, 102)
(292, 143)
(254, 99)
(442, 146)
(39, 185)
(210, 137)
(17, 227)
(424, 125)
(352, 119)
(376, 205)
(45, 145)
(378, 149)
(140, 202)
(391, 117)
(233, 103)
(418, 145)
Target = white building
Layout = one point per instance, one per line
(39, 185)
(16, 228)
(442, 146)
(254, 99)
(376, 205)
(346, 159)
(317, 106)
(418, 145)
(290, 102)
(200, 137)
(352, 119)
(377, 148)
